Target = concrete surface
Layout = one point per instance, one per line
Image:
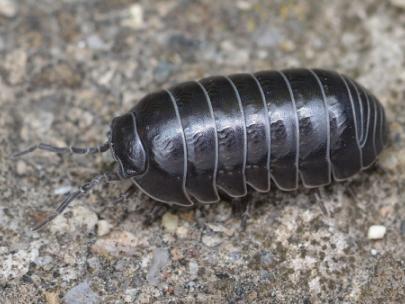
(67, 67)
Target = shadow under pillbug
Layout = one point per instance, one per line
(198, 139)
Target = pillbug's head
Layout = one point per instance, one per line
(126, 146)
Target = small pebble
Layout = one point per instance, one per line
(252, 296)
(160, 259)
(81, 294)
(83, 216)
(398, 3)
(376, 232)
(182, 232)
(103, 227)
(8, 8)
(266, 258)
(244, 5)
(176, 254)
(374, 252)
(60, 74)
(135, 18)
(220, 228)
(21, 167)
(211, 240)
(52, 298)
(130, 295)
(16, 264)
(391, 159)
(170, 222)
(117, 243)
(15, 63)
(96, 43)
(43, 260)
(93, 263)
(62, 190)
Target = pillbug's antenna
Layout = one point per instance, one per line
(65, 150)
(71, 196)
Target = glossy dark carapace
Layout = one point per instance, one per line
(198, 139)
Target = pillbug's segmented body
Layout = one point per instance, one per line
(186, 144)
(272, 127)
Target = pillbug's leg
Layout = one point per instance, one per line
(323, 208)
(241, 206)
(319, 199)
(70, 197)
(64, 150)
(351, 193)
(250, 206)
(126, 195)
(156, 213)
(237, 205)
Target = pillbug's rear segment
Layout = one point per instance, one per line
(272, 127)
(195, 140)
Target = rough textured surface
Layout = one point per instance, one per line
(68, 66)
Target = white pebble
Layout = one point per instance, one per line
(211, 240)
(135, 18)
(62, 190)
(374, 252)
(8, 8)
(21, 167)
(376, 232)
(103, 227)
(170, 222)
(398, 3)
(391, 159)
(244, 5)
(182, 232)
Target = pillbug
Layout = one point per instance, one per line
(196, 140)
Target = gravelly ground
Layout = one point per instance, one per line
(68, 66)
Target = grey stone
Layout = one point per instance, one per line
(81, 294)
(160, 259)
